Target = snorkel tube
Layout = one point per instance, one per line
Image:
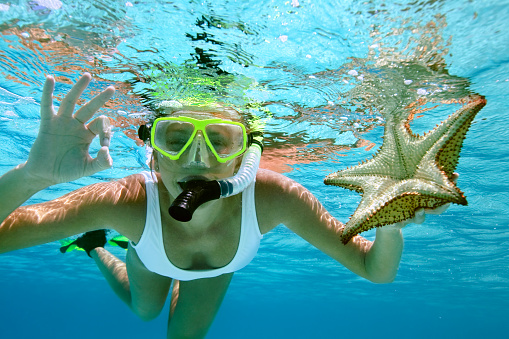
(198, 192)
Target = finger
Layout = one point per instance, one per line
(102, 161)
(399, 225)
(101, 126)
(455, 177)
(47, 98)
(88, 110)
(420, 215)
(69, 101)
(438, 210)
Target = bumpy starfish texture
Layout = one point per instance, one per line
(408, 172)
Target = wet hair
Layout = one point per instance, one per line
(173, 108)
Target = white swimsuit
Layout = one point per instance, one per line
(150, 248)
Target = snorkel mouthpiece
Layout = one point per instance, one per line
(195, 194)
(198, 192)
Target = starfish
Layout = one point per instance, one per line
(409, 171)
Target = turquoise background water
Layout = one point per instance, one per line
(453, 280)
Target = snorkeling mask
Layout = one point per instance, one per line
(225, 139)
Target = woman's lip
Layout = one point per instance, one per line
(192, 177)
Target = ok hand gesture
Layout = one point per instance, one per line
(61, 151)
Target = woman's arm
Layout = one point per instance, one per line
(60, 151)
(59, 154)
(300, 211)
(16, 188)
(118, 205)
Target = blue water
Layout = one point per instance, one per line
(307, 57)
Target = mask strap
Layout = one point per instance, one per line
(144, 132)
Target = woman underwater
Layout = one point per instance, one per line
(223, 235)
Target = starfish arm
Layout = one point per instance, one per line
(388, 201)
(355, 182)
(381, 165)
(398, 209)
(448, 156)
(445, 141)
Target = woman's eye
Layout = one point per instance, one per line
(176, 141)
(220, 143)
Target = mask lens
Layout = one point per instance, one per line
(172, 136)
(226, 139)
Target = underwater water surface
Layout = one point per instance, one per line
(318, 74)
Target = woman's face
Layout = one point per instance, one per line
(197, 161)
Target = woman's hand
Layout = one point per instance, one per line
(61, 151)
(420, 214)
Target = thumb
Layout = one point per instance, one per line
(419, 216)
(102, 161)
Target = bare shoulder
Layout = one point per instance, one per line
(133, 186)
(277, 197)
(127, 205)
(270, 185)
(265, 178)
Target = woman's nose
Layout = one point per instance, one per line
(199, 154)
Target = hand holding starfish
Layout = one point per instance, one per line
(409, 172)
